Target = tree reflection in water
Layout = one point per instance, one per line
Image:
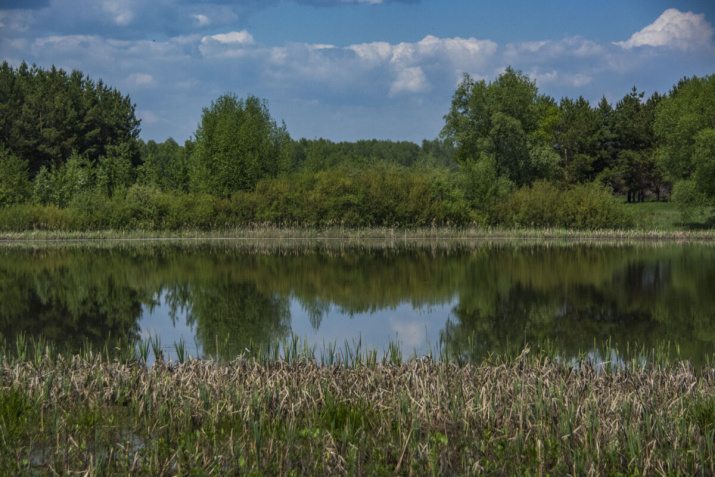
(507, 294)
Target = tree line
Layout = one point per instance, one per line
(71, 158)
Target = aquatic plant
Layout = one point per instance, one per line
(532, 413)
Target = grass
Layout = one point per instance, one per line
(106, 413)
(660, 226)
(664, 216)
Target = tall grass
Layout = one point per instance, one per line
(106, 413)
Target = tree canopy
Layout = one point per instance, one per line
(47, 115)
(237, 143)
(499, 123)
(685, 130)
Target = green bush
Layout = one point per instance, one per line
(585, 206)
(380, 197)
(21, 217)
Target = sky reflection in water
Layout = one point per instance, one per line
(472, 299)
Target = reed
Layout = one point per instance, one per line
(266, 414)
(290, 232)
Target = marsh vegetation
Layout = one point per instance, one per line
(103, 411)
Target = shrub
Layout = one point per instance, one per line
(586, 206)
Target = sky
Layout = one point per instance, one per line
(346, 70)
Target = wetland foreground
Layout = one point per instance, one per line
(532, 414)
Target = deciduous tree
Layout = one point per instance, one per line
(237, 144)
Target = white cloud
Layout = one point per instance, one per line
(16, 20)
(141, 79)
(378, 89)
(320, 46)
(202, 20)
(373, 53)
(120, 11)
(241, 37)
(560, 78)
(226, 45)
(67, 44)
(673, 29)
(575, 46)
(410, 80)
(457, 50)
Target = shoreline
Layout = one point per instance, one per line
(357, 234)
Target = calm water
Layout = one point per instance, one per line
(471, 299)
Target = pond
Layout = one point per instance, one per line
(470, 299)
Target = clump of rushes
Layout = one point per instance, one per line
(528, 414)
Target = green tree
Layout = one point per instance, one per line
(500, 122)
(576, 138)
(685, 129)
(164, 165)
(605, 148)
(46, 115)
(635, 138)
(237, 144)
(704, 160)
(688, 109)
(14, 178)
(115, 171)
(74, 177)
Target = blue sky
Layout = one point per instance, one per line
(355, 69)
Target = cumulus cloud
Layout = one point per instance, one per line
(457, 50)
(673, 29)
(373, 53)
(410, 80)
(415, 66)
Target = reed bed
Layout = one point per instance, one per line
(296, 232)
(102, 413)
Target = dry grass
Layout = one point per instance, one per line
(287, 233)
(530, 414)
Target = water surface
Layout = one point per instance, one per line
(471, 299)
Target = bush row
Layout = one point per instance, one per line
(393, 198)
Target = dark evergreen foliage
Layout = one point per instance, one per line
(46, 115)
